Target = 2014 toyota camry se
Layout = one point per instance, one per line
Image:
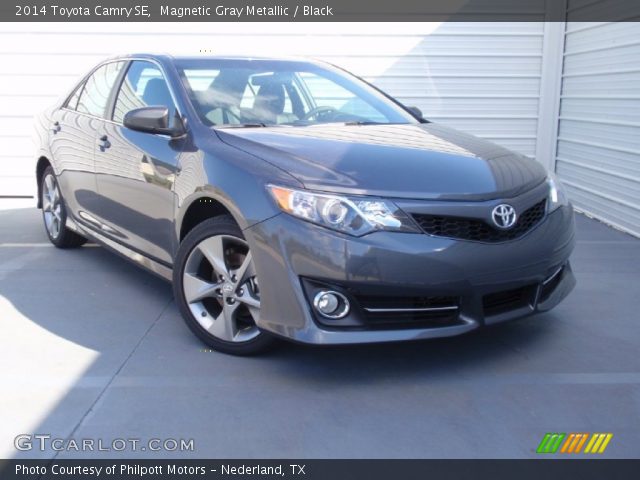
(288, 198)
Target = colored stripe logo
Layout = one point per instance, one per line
(598, 443)
(550, 442)
(574, 443)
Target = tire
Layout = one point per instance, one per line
(216, 289)
(54, 213)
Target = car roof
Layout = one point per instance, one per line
(170, 58)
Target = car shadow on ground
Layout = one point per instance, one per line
(134, 295)
(442, 356)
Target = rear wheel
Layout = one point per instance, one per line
(217, 290)
(54, 213)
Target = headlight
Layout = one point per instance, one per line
(557, 195)
(352, 215)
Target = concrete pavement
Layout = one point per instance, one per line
(94, 348)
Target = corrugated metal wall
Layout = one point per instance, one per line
(480, 77)
(598, 152)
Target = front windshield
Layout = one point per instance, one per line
(227, 92)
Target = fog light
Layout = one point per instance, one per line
(331, 304)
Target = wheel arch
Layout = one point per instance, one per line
(202, 207)
(41, 165)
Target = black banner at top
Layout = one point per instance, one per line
(318, 10)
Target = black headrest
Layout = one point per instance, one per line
(271, 97)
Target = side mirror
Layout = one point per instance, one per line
(416, 112)
(151, 120)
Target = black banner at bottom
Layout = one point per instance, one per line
(543, 469)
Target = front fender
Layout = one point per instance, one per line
(231, 177)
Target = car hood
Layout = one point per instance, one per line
(421, 161)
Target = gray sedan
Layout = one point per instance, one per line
(291, 199)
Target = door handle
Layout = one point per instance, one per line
(56, 127)
(104, 143)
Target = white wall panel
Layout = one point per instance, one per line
(598, 154)
(481, 77)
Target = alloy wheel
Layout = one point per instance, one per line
(52, 206)
(221, 289)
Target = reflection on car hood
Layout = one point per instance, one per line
(426, 161)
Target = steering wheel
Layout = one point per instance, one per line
(319, 111)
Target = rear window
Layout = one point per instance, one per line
(72, 101)
(95, 94)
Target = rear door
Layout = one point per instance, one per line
(72, 139)
(135, 171)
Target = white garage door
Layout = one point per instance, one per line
(598, 156)
(480, 77)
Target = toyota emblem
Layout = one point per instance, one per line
(504, 216)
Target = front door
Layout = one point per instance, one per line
(135, 171)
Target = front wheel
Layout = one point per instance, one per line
(54, 213)
(217, 290)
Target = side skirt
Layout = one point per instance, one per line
(149, 264)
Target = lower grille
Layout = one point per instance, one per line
(505, 301)
(410, 312)
(478, 230)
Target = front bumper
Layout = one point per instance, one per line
(488, 283)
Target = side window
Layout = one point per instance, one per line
(143, 86)
(95, 94)
(72, 102)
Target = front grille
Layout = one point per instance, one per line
(505, 301)
(409, 312)
(478, 230)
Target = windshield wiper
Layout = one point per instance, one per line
(243, 125)
(361, 122)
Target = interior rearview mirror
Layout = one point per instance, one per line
(152, 120)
